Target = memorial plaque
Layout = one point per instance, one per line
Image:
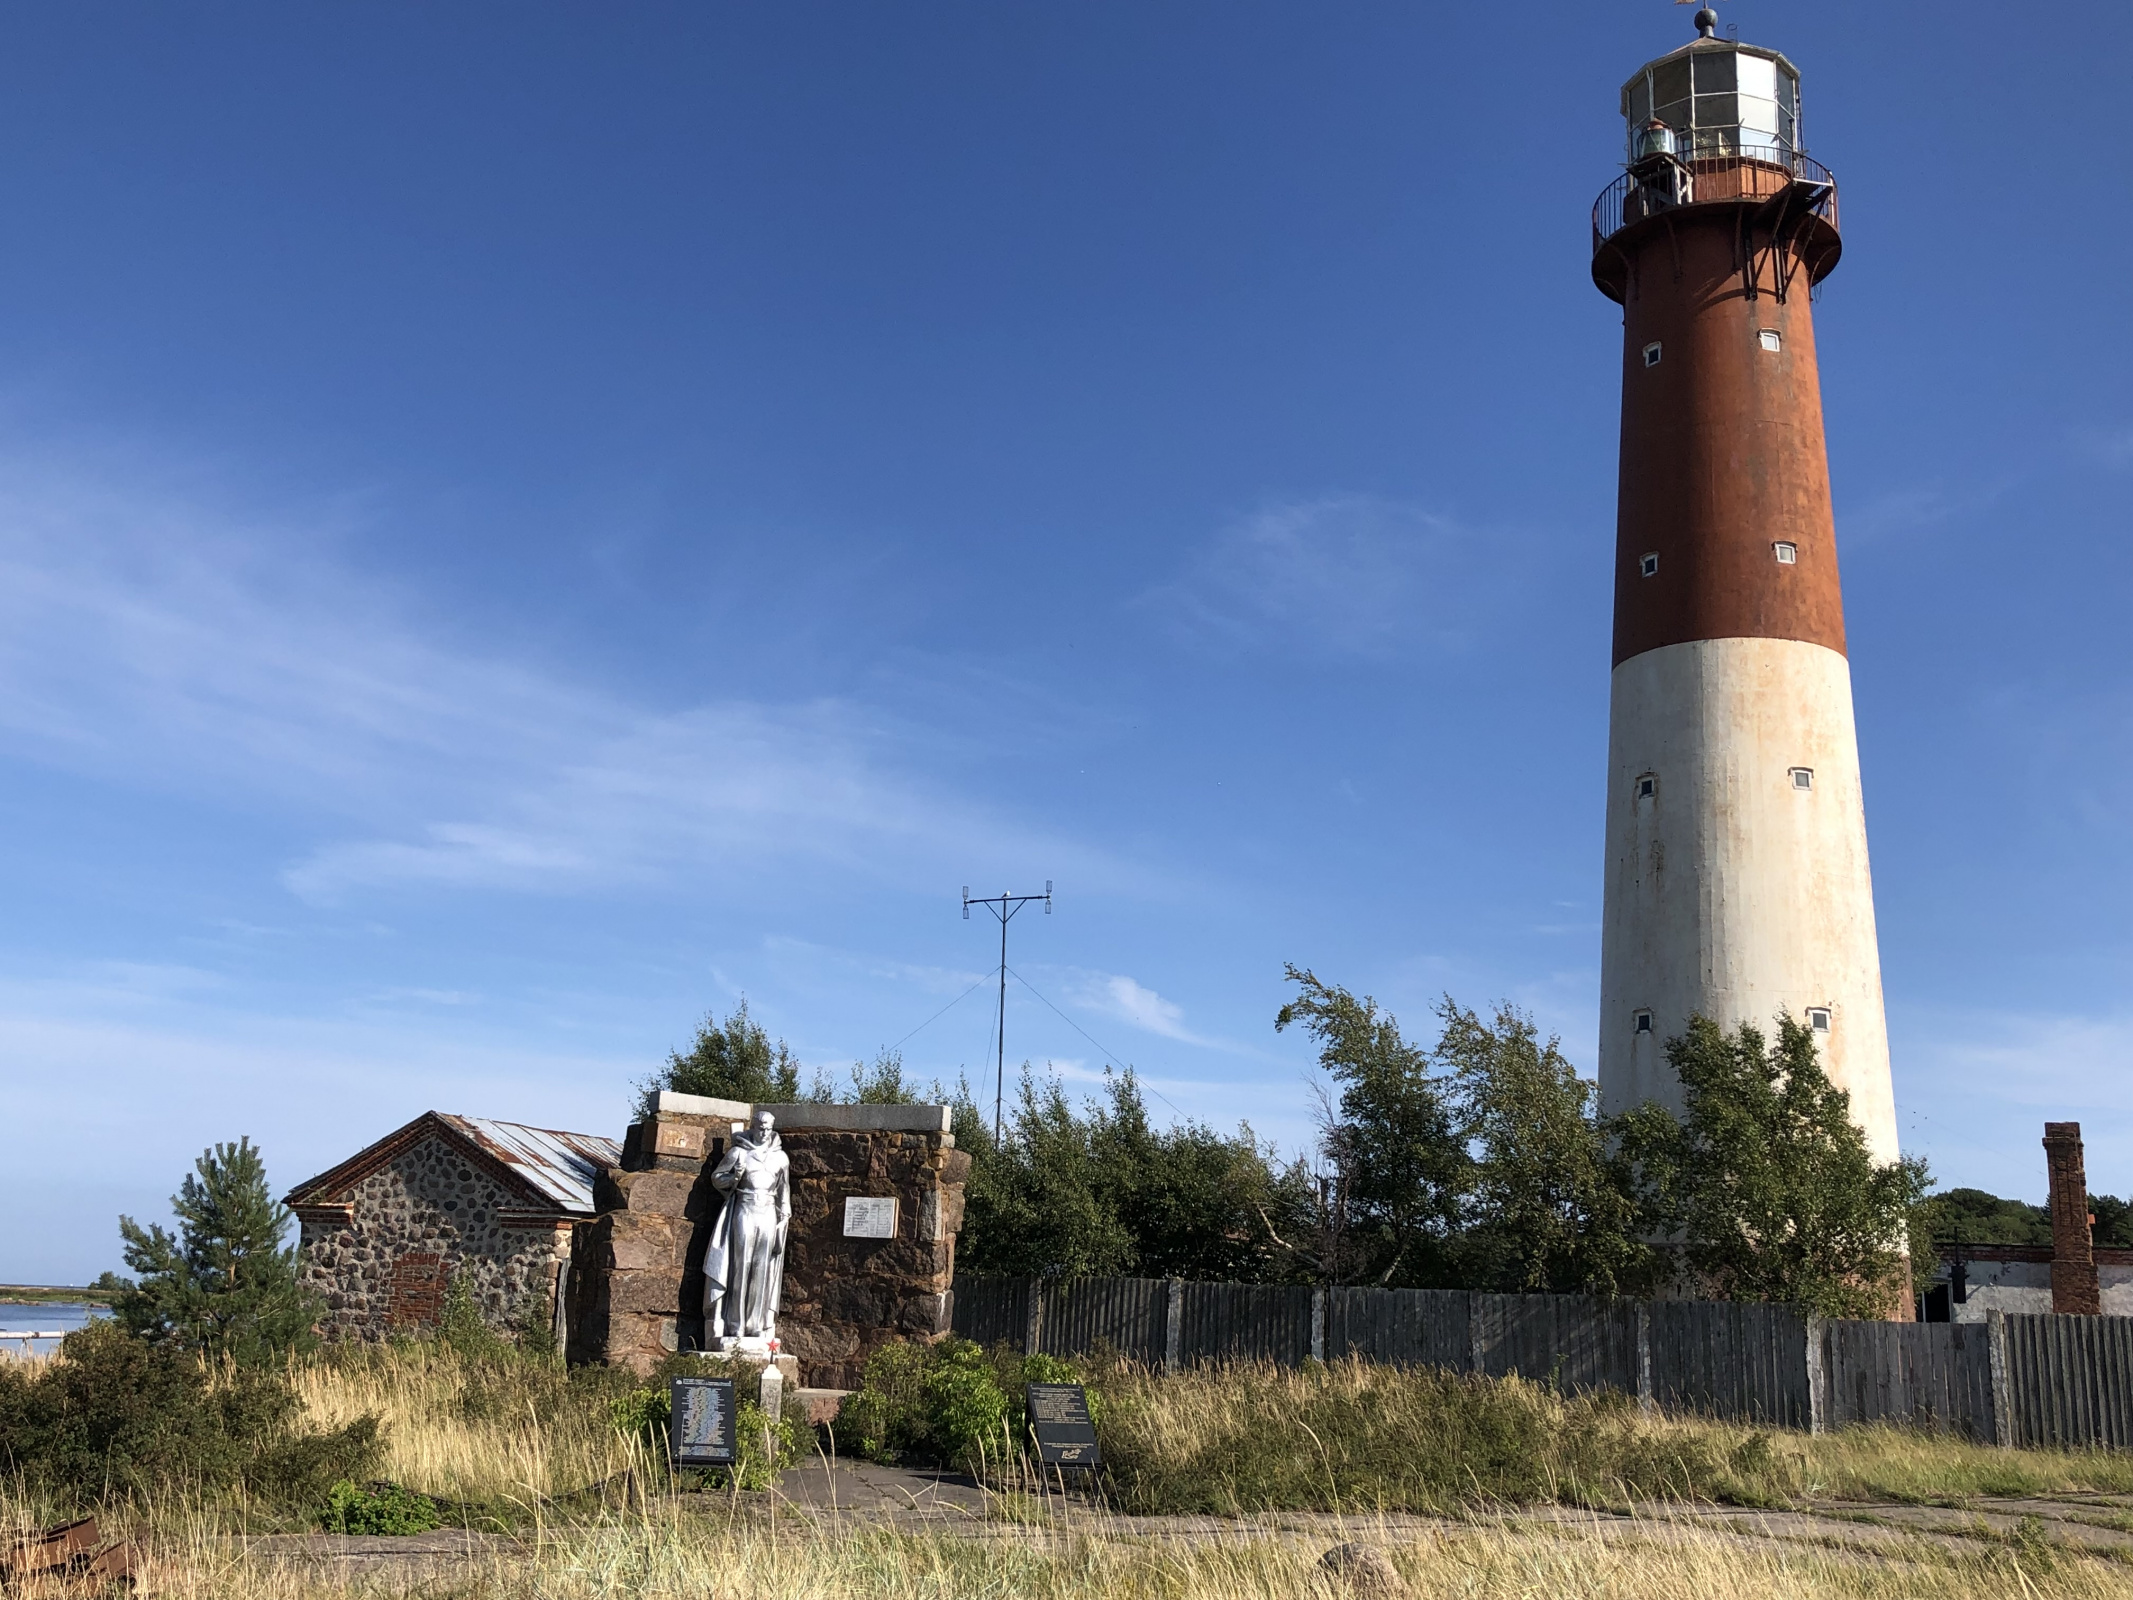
(868, 1217)
(678, 1139)
(1059, 1416)
(701, 1430)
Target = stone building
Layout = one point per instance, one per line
(2018, 1277)
(877, 1201)
(496, 1202)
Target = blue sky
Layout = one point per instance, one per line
(523, 524)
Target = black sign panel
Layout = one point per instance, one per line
(701, 1429)
(1059, 1416)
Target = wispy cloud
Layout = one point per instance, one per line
(2110, 444)
(1345, 573)
(1116, 995)
(1962, 1075)
(1917, 508)
(151, 637)
(2042, 1061)
(156, 1078)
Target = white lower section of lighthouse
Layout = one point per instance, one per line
(1737, 877)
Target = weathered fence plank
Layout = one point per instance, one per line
(1741, 1362)
(1400, 1327)
(2070, 1381)
(990, 1310)
(1930, 1374)
(2044, 1381)
(1128, 1315)
(1246, 1322)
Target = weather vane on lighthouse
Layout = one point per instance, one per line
(1706, 20)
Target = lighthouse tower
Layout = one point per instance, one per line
(1737, 881)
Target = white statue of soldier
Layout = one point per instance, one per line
(744, 1264)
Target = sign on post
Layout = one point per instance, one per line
(1059, 1416)
(700, 1429)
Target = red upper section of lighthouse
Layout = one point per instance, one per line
(1711, 240)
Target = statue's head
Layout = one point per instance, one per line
(764, 1122)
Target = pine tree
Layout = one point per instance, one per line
(730, 1060)
(225, 1285)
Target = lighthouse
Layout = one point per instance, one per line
(1737, 882)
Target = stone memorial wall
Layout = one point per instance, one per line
(877, 1200)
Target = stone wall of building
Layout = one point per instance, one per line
(2018, 1278)
(636, 1286)
(382, 1257)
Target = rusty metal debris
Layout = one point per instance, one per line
(73, 1553)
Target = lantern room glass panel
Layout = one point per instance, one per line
(1722, 100)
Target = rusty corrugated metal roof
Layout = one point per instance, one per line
(560, 1165)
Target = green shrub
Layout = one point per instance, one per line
(643, 1413)
(766, 1448)
(966, 1411)
(884, 1419)
(948, 1404)
(119, 1416)
(377, 1508)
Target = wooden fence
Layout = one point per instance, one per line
(2046, 1381)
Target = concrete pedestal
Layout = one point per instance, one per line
(773, 1380)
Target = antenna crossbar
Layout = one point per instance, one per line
(1004, 906)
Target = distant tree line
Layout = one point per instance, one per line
(1973, 1216)
(1481, 1161)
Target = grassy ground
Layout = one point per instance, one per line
(35, 1294)
(518, 1440)
(501, 1434)
(660, 1554)
(1348, 1438)
(1353, 1437)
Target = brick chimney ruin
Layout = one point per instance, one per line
(2074, 1290)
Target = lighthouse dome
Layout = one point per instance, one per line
(1719, 98)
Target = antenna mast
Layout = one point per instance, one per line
(1004, 906)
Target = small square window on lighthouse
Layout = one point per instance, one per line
(1786, 551)
(1803, 777)
(1769, 340)
(1651, 354)
(1647, 786)
(1818, 1018)
(1648, 564)
(1644, 1022)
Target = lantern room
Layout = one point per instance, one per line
(1718, 98)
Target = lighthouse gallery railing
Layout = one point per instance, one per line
(1760, 175)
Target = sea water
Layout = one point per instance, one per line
(56, 1320)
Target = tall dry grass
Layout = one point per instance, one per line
(666, 1555)
(524, 1436)
(1360, 1438)
(1351, 1438)
(504, 1433)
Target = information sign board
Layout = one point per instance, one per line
(1059, 1416)
(870, 1217)
(701, 1429)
